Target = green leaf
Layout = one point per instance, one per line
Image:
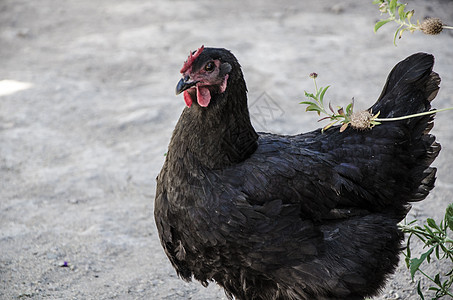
(313, 108)
(412, 222)
(392, 6)
(416, 262)
(396, 34)
(349, 108)
(380, 24)
(309, 95)
(449, 216)
(401, 12)
(409, 15)
(408, 253)
(402, 31)
(446, 285)
(406, 260)
(437, 280)
(419, 291)
(432, 224)
(431, 233)
(321, 97)
(307, 102)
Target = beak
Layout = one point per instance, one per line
(184, 84)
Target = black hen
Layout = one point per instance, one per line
(310, 216)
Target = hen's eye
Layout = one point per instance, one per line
(209, 66)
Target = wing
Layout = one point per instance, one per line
(372, 170)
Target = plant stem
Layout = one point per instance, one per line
(441, 287)
(447, 27)
(412, 230)
(402, 23)
(427, 276)
(414, 115)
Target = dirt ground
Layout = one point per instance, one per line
(91, 108)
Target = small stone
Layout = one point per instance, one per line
(63, 264)
(23, 33)
(337, 8)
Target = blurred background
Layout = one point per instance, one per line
(87, 108)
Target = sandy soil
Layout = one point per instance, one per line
(82, 143)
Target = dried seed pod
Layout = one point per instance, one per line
(361, 120)
(431, 26)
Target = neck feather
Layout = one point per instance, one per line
(218, 135)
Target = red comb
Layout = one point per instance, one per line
(191, 58)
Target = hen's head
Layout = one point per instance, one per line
(205, 74)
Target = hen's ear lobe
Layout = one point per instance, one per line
(225, 68)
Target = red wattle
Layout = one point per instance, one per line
(203, 96)
(187, 99)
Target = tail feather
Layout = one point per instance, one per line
(426, 185)
(432, 86)
(410, 87)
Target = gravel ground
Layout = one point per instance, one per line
(84, 132)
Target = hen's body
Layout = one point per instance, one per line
(311, 216)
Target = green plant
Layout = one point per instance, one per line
(358, 120)
(342, 116)
(436, 240)
(396, 13)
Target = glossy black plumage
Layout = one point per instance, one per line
(311, 216)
